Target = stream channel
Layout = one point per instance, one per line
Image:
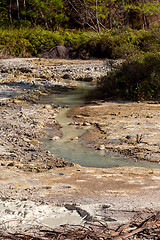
(73, 151)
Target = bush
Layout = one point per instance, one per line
(134, 80)
(124, 43)
(27, 42)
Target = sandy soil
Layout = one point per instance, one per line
(35, 186)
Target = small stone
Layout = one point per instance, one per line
(101, 147)
(74, 123)
(78, 116)
(149, 116)
(86, 124)
(11, 164)
(140, 123)
(61, 174)
(74, 139)
(55, 138)
(66, 76)
(128, 137)
(35, 142)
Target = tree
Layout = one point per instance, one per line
(51, 12)
(97, 15)
(3, 12)
(91, 13)
(141, 10)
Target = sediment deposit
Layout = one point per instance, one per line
(35, 185)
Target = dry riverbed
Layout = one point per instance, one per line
(39, 189)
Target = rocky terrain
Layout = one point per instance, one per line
(128, 128)
(39, 189)
(56, 69)
(23, 120)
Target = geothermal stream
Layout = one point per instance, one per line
(73, 195)
(69, 147)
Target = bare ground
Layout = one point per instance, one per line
(129, 128)
(33, 188)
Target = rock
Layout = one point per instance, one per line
(149, 116)
(86, 124)
(79, 116)
(101, 147)
(66, 76)
(48, 106)
(25, 70)
(35, 142)
(128, 136)
(74, 139)
(11, 164)
(57, 52)
(74, 123)
(55, 138)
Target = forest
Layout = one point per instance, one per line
(96, 15)
(95, 28)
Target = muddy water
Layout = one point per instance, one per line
(72, 150)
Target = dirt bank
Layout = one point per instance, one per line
(21, 128)
(129, 128)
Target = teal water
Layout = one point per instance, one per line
(73, 151)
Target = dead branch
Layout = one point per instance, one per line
(143, 225)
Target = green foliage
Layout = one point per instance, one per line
(3, 13)
(134, 80)
(97, 15)
(51, 12)
(125, 43)
(28, 42)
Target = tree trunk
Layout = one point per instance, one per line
(45, 20)
(123, 5)
(18, 12)
(97, 20)
(110, 18)
(10, 12)
(144, 17)
(24, 7)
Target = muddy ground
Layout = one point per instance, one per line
(39, 189)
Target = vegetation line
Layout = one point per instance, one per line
(89, 29)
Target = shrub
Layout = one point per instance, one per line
(133, 80)
(124, 43)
